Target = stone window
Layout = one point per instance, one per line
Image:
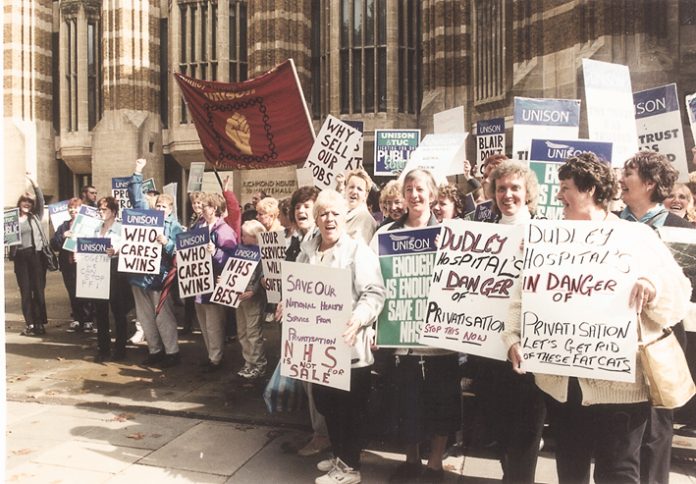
(238, 41)
(409, 74)
(94, 98)
(363, 56)
(321, 14)
(71, 72)
(488, 28)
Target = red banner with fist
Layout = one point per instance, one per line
(259, 123)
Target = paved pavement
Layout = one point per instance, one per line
(72, 420)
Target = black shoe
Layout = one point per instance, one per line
(686, 431)
(153, 358)
(170, 360)
(407, 472)
(211, 367)
(430, 476)
(101, 357)
(40, 329)
(185, 329)
(29, 330)
(119, 355)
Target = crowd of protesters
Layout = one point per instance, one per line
(608, 422)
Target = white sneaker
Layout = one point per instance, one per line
(139, 335)
(340, 474)
(88, 327)
(245, 372)
(326, 465)
(74, 327)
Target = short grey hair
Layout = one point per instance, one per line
(330, 198)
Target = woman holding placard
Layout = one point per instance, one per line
(159, 326)
(212, 317)
(594, 418)
(111, 229)
(427, 379)
(345, 412)
(512, 405)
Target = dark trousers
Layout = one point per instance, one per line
(345, 414)
(687, 414)
(79, 307)
(514, 410)
(118, 300)
(612, 434)
(30, 270)
(656, 450)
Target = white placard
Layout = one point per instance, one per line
(575, 316)
(440, 154)
(236, 275)
(477, 270)
(140, 251)
(86, 223)
(543, 119)
(272, 246)
(610, 111)
(304, 177)
(58, 213)
(449, 121)
(659, 126)
(194, 266)
(195, 181)
(316, 307)
(93, 280)
(691, 109)
(171, 189)
(333, 152)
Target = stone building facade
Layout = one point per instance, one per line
(88, 85)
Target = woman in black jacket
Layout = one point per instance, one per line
(30, 262)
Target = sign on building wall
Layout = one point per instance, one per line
(278, 183)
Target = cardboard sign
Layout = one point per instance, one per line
(393, 147)
(272, 246)
(541, 119)
(304, 177)
(12, 233)
(86, 223)
(406, 258)
(194, 264)
(318, 304)
(449, 121)
(658, 121)
(149, 186)
(195, 181)
(58, 214)
(490, 140)
(333, 152)
(441, 154)
(236, 275)
(119, 190)
(141, 252)
(477, 269)
(93, 279)
(691, 110)
(484, 212)
(575, 315)
(610, 111)
(547, 157)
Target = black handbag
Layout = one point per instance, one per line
(50, 257)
